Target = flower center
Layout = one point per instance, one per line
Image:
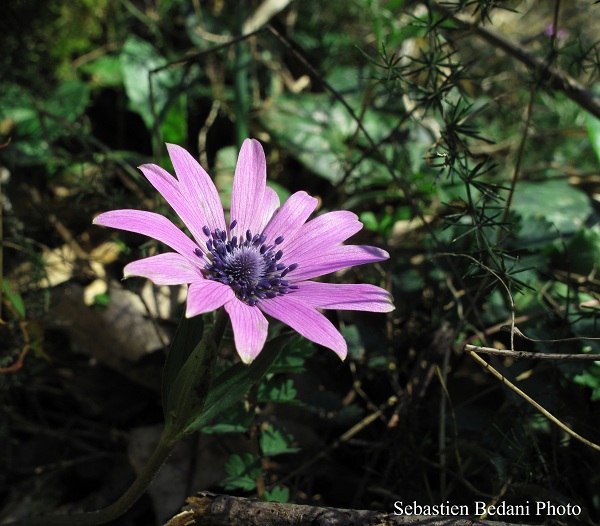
(249, 266)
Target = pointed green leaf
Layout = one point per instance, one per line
(190, 389)
(188, 334)
(234, 383)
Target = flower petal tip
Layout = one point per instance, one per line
(170, 146)
(251, 147)
(247, 360)
(389, 306)
(341, 354)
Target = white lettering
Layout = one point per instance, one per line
(560, 510)
(479, 507)
(520, 509)
(540, 506)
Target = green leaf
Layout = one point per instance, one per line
(593, 128)
(277, 389)
(237, 419)
(276, 442)
(294, 357)
(217, 429)
(584, 252)
(188, 334)
(174, 125)
(356, 346)
(190, 389)
(234, 383)
(138, 59)
(40, 121)
(559, 203)
(587, 328)
(369, 219)
(278, 494)
(68, 102)
(101, 301)
(318, 131)
(14, 298)
(590, 377)
(243, 471)
(105, 71)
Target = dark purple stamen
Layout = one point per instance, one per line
(249, 266)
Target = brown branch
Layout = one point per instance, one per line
(530, 400)
(556, 79)
(524, 355)
(16, 365)
(208, 509)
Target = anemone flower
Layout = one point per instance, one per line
(260, 262)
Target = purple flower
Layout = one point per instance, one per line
(262, 261)
(562, 33)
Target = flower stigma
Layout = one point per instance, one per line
(250, 267)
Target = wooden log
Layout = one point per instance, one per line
(209, 509)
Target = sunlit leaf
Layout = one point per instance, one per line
(317, 130)
(138, 59)
(560, 203)
(593, 129)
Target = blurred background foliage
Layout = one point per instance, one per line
(477, 172)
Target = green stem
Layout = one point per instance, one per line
(169, 438)
(135, 491)
(219, 327)
(241, 104)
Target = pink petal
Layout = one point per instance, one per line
(313, 263)
(288, 220)
(344, 296)
(268, 208)
(322, 233)
(151, 225)
(164, 269)
(169, 188)
(197, 187)
(206, 296)
(307, 321)
(248, 192)
(250, 329)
